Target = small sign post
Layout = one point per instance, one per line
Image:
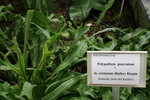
(115, 93)
(117, 69)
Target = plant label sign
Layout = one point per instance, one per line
(117, 68)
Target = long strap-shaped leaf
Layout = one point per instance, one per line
(20, 57)
(105, 8)
(62, 88)
(133, 34)
(21, 61)
(26, 33)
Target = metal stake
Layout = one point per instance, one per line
(115, 93)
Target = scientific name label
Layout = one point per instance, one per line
(117, 69)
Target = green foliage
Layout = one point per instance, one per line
(80, 9)
(77, 51)
(120, 39)
(27, 90)
(32, 69)
(62, 88)
(21, 69)
(43, 6)
(104, 9)
(4, 11)
(46, 56)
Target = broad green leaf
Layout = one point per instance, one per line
(40, 20)
(27, 90)
(80, 9)
(44, 32)
(76, 52)
(55, 84)
(62, 88)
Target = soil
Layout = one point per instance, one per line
(61, 7)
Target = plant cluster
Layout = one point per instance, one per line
(44, 57)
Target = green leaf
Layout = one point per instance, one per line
(125, 93)
(26, 33)
(106, 95)
(114, 29)
(27, 90)
(85, 91)
(98, 4)
(133, 34)
(107, 46)
(40, 20)
(8, 92)
(45, 52)
(4, 95)
(4, 68)
(21, 70)
(80, 9)
(55, 84)
(11, 66)
(105, 8)
(144, 39)
(21, 58)
(76, 52)
(62, 88)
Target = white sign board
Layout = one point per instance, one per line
(117, 68)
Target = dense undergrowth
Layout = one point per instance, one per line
(43, 57)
